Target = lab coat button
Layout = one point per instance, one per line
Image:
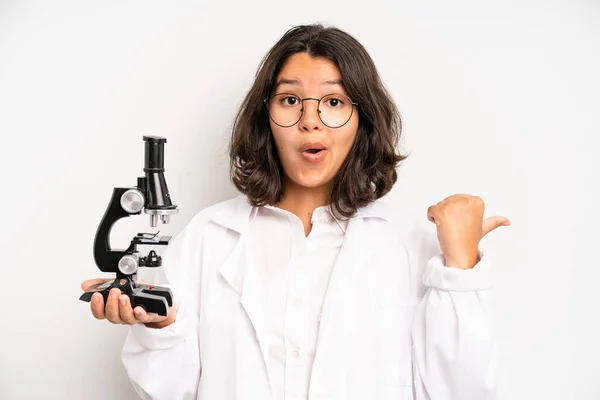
(297, 301)
(295, 353)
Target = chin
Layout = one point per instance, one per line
(311, 180)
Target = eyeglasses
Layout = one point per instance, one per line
(286, 109)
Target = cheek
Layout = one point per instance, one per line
(276, 136)
(281, 140)
(347, 138)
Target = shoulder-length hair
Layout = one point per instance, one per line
(369, 170)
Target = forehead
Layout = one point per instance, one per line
(309, 70)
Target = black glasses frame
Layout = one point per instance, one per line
(266, 101)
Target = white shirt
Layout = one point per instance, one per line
(396, 323)
(296, 270)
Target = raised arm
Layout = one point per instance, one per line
(454, 346)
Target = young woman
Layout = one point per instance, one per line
(307, 286)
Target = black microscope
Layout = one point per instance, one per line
(152, 196)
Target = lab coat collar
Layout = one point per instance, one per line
(240, 214)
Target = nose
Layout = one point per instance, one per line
(310, 116)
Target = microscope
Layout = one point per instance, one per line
(152, 196)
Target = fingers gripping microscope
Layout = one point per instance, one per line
(152, 196)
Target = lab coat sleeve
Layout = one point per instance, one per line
(454, 348)
(165, 363)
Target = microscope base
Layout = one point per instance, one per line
(153, 299)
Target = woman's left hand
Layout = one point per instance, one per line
(460, 227)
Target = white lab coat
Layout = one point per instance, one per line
(396, 323)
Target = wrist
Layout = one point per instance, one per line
(463, 262)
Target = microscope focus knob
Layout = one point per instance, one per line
(132, 201)
(128, 264)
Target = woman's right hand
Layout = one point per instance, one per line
(118, 308)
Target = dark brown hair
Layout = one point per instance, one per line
(369, 170)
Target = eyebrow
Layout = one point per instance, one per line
(286, 81)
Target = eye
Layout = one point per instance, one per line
(334, 102)
(289, 100)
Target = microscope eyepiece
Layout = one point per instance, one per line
(154, 154)
(158, 201)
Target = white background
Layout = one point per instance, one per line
(499, 99)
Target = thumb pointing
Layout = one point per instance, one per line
(491, 223)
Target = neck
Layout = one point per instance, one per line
(302, 201)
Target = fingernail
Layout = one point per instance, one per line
(123, 301)
(95, 298)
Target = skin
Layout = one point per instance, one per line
(458, 218)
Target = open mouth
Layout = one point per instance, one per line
(313, 151)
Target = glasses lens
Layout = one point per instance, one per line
(285, 109)
(336, 110)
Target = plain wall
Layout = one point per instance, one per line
(499, 100)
